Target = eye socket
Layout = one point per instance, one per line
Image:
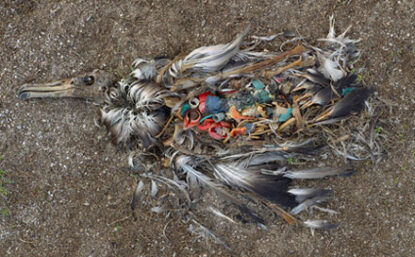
(89, 80)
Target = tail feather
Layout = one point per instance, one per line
(196, 177)
(271, 187)
(353, 102)
(316, 77)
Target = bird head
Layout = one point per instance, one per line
(89, 86)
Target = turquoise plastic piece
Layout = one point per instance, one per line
(286, 116)
(263, 96)
(345, 91)
(184, 109)
(258, 85)
(204, 118)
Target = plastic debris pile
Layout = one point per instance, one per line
(239, 109)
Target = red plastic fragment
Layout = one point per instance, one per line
(191, 119)
(206, 124)
(216, 130)
(202, 99)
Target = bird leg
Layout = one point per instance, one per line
(165, 126)
(271, 61)
(323, 116)
(286, 124)
(177, 129)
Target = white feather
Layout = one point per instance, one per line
(154, 189)
(315, 173)
(302, 191)
(308, 203)
(329, 68)
(193, 176)
(139, 61)
(157, 209)
(319, 224)
(208, 58)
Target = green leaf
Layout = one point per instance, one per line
(134, 176)
(5, 213)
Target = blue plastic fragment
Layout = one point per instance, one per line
(285, 116)
(185, 108)
(258, 85)
(249, 128)
(215, 105)
(345, 91)
(219, 117)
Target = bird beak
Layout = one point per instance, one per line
(89, 86)
(59, 88)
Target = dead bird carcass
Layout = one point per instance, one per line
(235, 119)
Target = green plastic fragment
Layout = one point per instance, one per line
(345, 91)
(263, 96)
(242, 101)
(184, 109)
(285, 116)
(258, 85)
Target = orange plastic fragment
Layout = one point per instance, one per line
(238, 131)
(237, 116)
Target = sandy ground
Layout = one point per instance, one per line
(65, 189)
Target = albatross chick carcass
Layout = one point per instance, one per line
(235, 119)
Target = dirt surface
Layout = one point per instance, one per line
(65, 189)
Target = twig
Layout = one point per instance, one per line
(27, 242)
(119, 220)
(164, 232)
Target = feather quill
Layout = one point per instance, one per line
(220, 214)
(308, 203)
(302, 194)
(137, 195)
(317, 173)
(319, 224)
